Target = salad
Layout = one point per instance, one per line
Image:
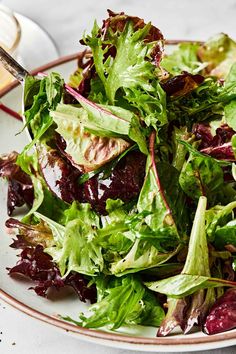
(130, 180)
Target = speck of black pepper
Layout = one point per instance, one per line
(13, 343)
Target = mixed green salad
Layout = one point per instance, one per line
(130, 179)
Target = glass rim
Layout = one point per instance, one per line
(18, 28)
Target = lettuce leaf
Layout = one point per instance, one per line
(161, 181)
(44, 201)
(129, 245)
(40, 96)
(219, 52)
(157, 236)
(142, 255)
(184, 58)
(217, 217)
(187, 284)
(225, 235)
(122, 301)
(131, 68)
(194, 278)
(201, 176)
(87, 150)
(109, 121)
(75, 245)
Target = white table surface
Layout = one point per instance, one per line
(66, 22)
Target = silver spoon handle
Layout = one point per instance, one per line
(11, 65)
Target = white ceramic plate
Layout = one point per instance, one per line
(15, 292)
(36, 46)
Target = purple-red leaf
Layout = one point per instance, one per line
(20, 187)
(222, 316)
(181, 85)
(124, 182)
(60, 176)
(218, 146)
(39, 267)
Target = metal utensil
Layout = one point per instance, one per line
(20, 73)
(11, 65)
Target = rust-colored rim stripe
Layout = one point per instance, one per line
(116, 337)
(42, 68)
(95, 334)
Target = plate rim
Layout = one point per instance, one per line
(99, 334)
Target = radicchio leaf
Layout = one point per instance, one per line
(39, 267)
(80, 284)
(60, 176)
(124, 182)
(222, 152)
(219, 145)
(20, 187)
(222, 316)
(181, 85)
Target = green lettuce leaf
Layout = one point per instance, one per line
(206, 102)
(87, 150)
(161, 182)
(79, 252)
(76, 247)
(81, 211)
(201, 176)
(103, 120)
(194, 278)
(129, 245)
(218, 216)
(129, 67)
(142, 255)
(40, 96)
(182, 285)
(220, 53)
(225, 235)
(184, 58)
(151, 105)
(156, 236)
(180, 151)
(196, 265)
(123, 301)
(130, 70)
(230, 111)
